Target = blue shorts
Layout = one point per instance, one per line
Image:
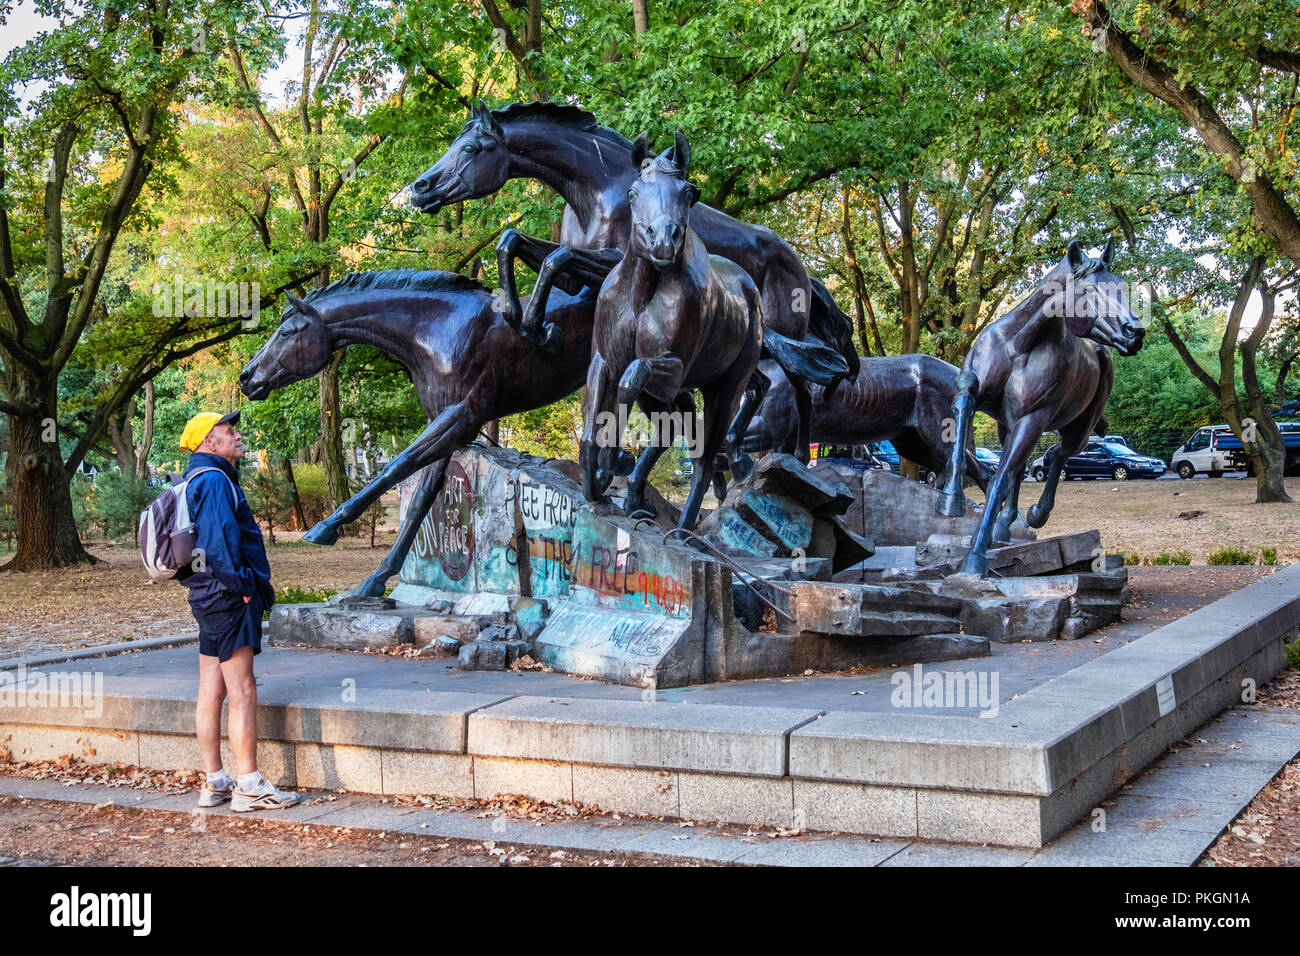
(229, 624)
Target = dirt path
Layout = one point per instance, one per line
(51, 833)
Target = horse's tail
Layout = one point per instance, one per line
(809, 359)
(827, 321)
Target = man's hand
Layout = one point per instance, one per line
(246, 599)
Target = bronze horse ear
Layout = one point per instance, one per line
(641, 149)
(489, 122)
(1076, 256)
(681, 153)
(1108, 254)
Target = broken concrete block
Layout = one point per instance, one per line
(444, 646)
(499, 632)
(850, 548)
(821, 491)
(736, 533)
(783, 519)
(483, 656)
(358, 602)
(429, 628)
(318, 625)
(1015, 619)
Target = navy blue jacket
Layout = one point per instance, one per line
(228, 534)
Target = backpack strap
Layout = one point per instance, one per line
(190, 476)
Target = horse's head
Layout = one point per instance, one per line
(300, 347)
(475, 165)
(660, 200)
(1094, 301)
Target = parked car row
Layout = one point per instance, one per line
(1103, 458)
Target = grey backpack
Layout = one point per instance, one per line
(167, 535)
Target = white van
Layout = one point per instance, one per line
(1201, 454)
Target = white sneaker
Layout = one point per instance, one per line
(265, 797)
(213, 795)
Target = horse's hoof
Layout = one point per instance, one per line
(976, 564)
(636, 508)
(951, 505)
(322, 533)
(372, 586)
(1036, 518)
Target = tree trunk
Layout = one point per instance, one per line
(42, 497)
(640, 17)
(145, 444)
(286, 469)
(331, 432)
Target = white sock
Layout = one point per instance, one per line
(248, 782)
(219, 777)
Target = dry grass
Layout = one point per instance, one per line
(1143, 516)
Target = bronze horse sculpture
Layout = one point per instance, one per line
(467, 365)
(1043, 366)
(593, 167)
(904, 399)
(670, 318)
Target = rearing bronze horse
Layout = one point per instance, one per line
(592, 167)
(1043, 366)
(670, 319)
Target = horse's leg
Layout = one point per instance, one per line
(421, 501)
(755, 392)
(952, 501)
(508, 250)
(1024, 434)
(602, 430)
(1074, 438)
(588, 267)
(803, 411)
(1007, 514)
(665, 426)
(456, 426)
(719, 400)
(720, 475)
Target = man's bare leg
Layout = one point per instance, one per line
(207, 711)
(241, 721)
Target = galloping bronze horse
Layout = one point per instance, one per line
(904, 399)
(1043, 366)
(592, 167)
(670, 318)
(468, 367)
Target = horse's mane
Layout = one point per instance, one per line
(397, 280)
(561, 114)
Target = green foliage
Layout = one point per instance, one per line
(110, 507)
(1268, 556)
(1165, 558)
(1292, 651)
(313, 491)
(297, 595)
(269, 497)
(1231, 555)
(1132, 558)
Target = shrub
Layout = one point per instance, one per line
(313, 492)
(268, 496)
(1132, 558)
(1268, 556)
(1293, 653)
(1231, 555)
(1165, 558)
(297, 595)
(112, 504)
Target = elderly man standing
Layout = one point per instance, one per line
(229, 591)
